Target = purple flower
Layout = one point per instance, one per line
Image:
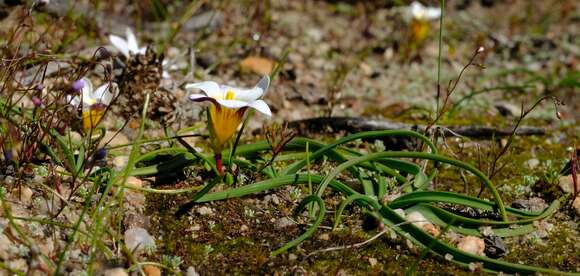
(78, 85)
(36, 101)
(100, 154)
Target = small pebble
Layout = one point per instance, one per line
(567, 183)
(151, 270)
(475, 266)
(120, 162)
(533, 163)
(18, 264)
(137, 239)
(244, 228)
(284, 222)
(205, 211)
(275, 200)
(373, 261)
(191, 271)
(576, 205)
(420, 221)
(115, 272)
(134, 182)
(5, 245)
(470, 244)
(25, 194)
(324, 237)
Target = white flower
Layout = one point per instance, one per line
(419, 12)
(90, 97)
(229, 105)
(127, 47)
(93, 101)
(232, 97)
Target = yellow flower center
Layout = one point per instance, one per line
(93, 116)
(419, 30)
(230, 95)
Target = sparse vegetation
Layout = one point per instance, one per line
(109, 168)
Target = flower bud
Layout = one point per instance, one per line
(78, 85)
(36, 101)
(100, 154)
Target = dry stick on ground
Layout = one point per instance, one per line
(356, 245)
(355, 124)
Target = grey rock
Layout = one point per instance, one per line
(210, 19)
(191, 271)
(205, 211)
(115, 272)
(284, 222)
(138, 239)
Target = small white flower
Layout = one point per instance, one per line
(232, 97)
(90, 97)
(131, 47)
(229, 105)
(127, 47)
(419, 12)
(93, 101)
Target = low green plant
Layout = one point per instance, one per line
(368, 168)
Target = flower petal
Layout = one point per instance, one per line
(120, 44)
(210, 88)
(432, 13)
(132, 42)
(262, 107)
(416, 10)
(87, 90)
(104, 94)
(232, 103)
(247, 95)
(74, 101)
(264, 83)
(198, 97)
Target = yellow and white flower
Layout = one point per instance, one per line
(228, 106)
(416, 11)
(127, 46)
(418, 17)
(93, 102)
